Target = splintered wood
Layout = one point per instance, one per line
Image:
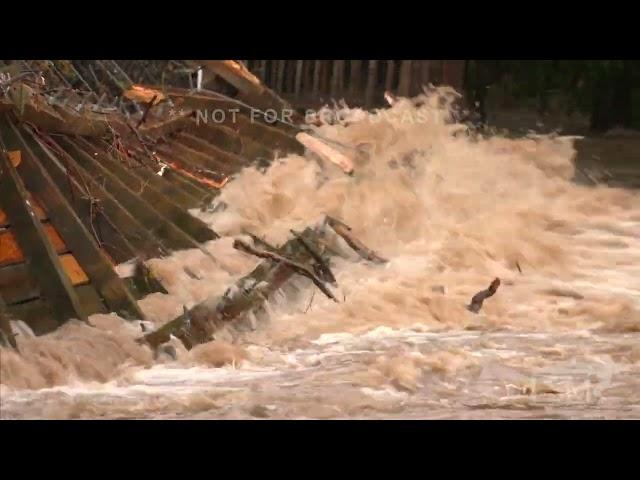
(326, 152)
(304, 254)
(146, 95)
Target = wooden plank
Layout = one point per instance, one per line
(37, 314)
(250, 90)
(7, 338)
(95, 220)
(355, 79)
(4, 220)
(17, 285)
(145, 174)
(280, 80)
(335, 78)
(194, 188)
(10, 251)
(155, 225)
(73, 269)
(231, 160)
(55, 238)
(228, 139)
(44, 263)
(315, 90)
(192, 226)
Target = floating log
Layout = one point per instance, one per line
(361, 249)
(480, 297)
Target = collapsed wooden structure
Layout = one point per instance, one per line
(96, 170)
(94, 173)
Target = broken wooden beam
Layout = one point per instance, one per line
(155, 223)
(361, 249)
(481, 296)
(295, 266)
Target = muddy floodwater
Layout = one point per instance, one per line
(451, 211)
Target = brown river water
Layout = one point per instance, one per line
(560, 338)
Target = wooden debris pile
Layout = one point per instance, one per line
(97, 170)
(305, 254)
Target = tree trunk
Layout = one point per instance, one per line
(388, 83)
(371, 82)
(404, 85)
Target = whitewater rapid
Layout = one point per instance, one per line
(451, 211)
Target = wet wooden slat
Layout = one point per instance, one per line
(404, 83)
(10, 251)
(114, 241)
(6, 333)
(193, 188)
(192, 226)
(44, 263)
(228, 139)
(94, 261)
(200, 159)
(17, 285)
(154, 223)
(234, 162)
(37, 313)
(145, 174)
(275, 138)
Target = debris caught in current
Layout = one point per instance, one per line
(480, 297)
